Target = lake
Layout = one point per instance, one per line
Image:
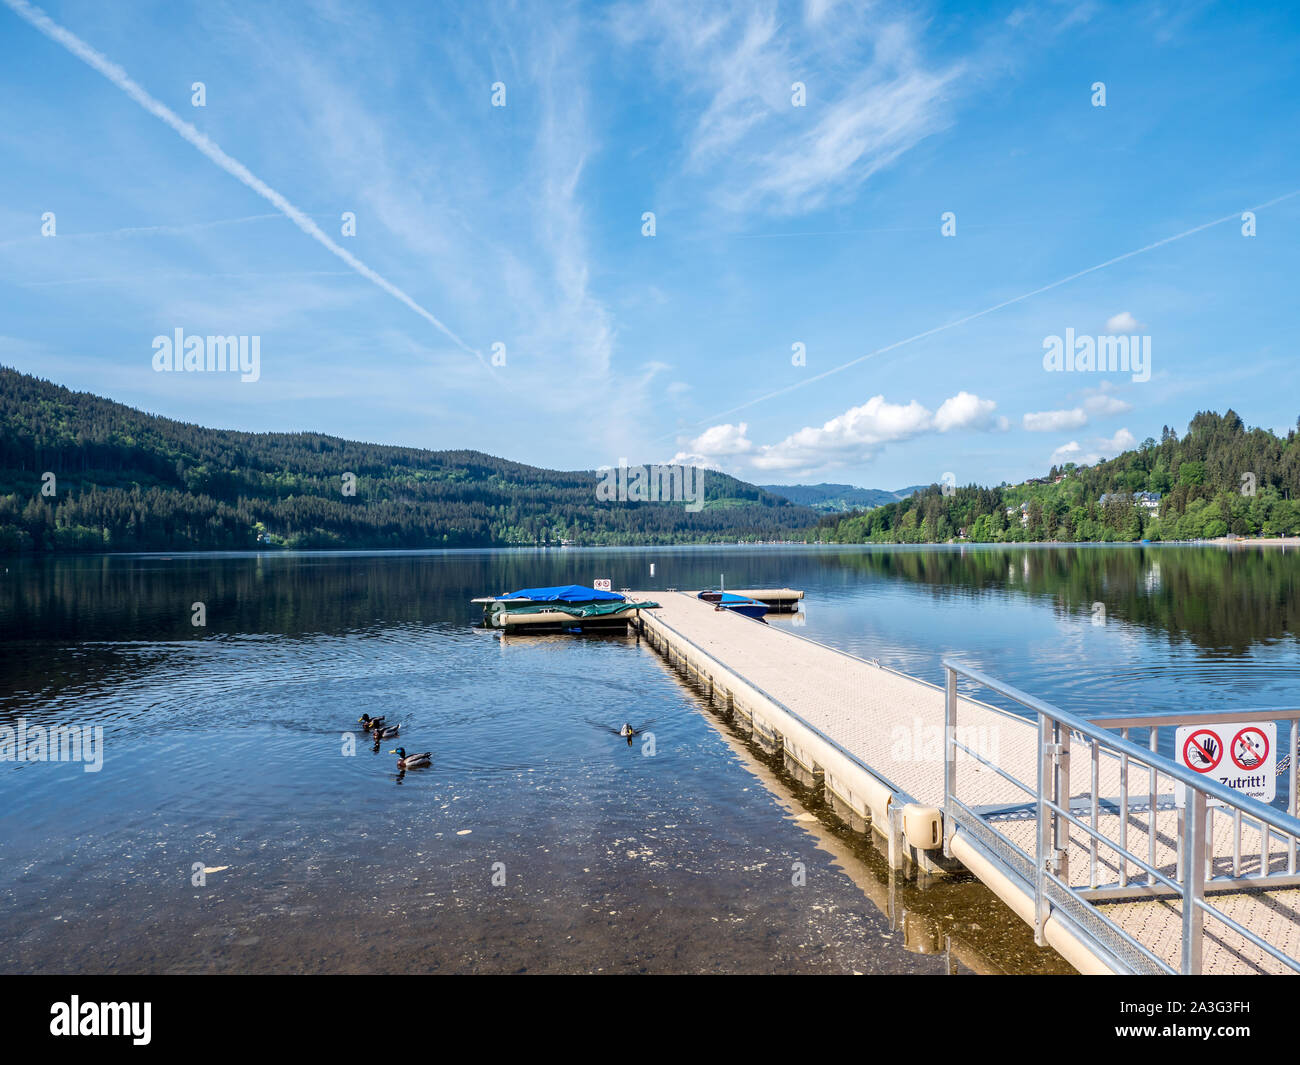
(241, 822)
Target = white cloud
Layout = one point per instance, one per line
(1053, 421)
(716, 446)
(1121, 441)
(1068, 453)
(854, 436)
(1103, 403)
(1124, 322)
(1101, 448)
(722, 441)
(967, 411)
(1100, 402)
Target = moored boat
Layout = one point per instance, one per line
(737, 604)
(565, 606)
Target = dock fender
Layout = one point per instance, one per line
(923, 826)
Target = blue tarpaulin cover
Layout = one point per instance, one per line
(568, 593)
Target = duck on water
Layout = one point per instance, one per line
(412, 761)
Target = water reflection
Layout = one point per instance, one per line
(226, 745)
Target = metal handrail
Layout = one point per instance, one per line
(1204, 717)
(1284, 823)
(1195, 849)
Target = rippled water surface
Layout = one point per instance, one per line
(537, 841)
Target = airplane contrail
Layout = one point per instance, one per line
(131, 231)
(115, 74)
(977, 314)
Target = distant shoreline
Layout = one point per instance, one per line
(272, 551)
(1256, 541)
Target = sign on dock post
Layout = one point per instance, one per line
(605, 585)
(1241, 755)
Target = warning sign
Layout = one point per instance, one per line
(1202, 751)
(1250, 748)
(604, 585)
(1250, 763)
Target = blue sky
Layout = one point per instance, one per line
(775, 224)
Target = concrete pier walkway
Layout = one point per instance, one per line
(873, 739)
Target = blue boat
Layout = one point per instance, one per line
(737, 604)
(566, 606)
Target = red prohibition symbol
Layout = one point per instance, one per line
(1252, 745)
(1202, 751)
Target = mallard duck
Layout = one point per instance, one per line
(626, 732)
(385, 732)
(412, 761)
(370, 723)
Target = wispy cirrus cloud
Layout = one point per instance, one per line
(871, 95)
(209, 148)
(508, 243)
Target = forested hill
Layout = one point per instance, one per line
(837, 498)
(1217, 479)
(129, 481)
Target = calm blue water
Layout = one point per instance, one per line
(537, 841)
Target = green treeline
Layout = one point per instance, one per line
(124, 480)
(1219, 478)
(129, 481)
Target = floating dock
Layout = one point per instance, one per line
(1112, 894)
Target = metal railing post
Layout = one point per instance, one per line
(1236, 843)
(1194, 882)
(1063, 801)
(1293, 803)
(950, 757)
(1123, 815)
(1152, 741)
(1096, 812)
(1207, 833)
(1179, 833)
(1044, 850)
